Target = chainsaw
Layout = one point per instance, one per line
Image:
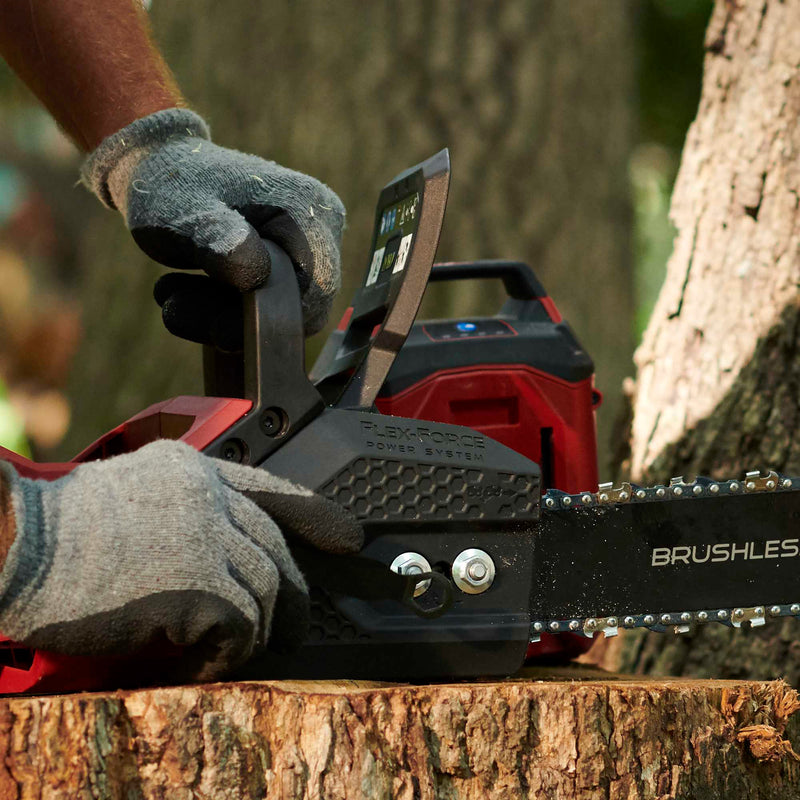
(466, 449)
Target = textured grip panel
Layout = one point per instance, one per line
(377, 489)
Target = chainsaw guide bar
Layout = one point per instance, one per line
(702, 540)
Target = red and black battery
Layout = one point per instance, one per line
(520, 377)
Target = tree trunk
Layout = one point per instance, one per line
(535, 100)
(521, 738)
(718, 374)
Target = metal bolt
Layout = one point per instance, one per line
(770, 484)
(574, 625)
(677, 490)
(775, 611)
(666, 619)
(758, 611)
(567, 501)
(698, 489)
(738, 613)
(473, 571)
(660, 492)
(549, 502)
(750, 485)
(734, 486)
(623, 495)
(629, 622)
(538, 627)
(795, 608)
(413, 564)
(554, 626)
(702, 616)
(686, 617)
(611, 622)
(786, 483)
(603, 498)
(641, 494)
(591, 624)
(714, 488)
(722, 614)
(586, 499)
(649, 619)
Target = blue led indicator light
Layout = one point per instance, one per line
(466, 327)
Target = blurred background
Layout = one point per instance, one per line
(565, 122)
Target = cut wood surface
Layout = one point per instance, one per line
(598, 736)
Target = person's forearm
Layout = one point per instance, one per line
(90, 62)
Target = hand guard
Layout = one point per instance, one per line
(163, 543)
(190, 204)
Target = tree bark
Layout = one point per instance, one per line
(535, 100)
(718, 373)
(519, 738)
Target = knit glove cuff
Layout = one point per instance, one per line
(122, 151)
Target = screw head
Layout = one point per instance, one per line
(586, 499)
(714, 488)
(233, 450)
(775, 611)
(590, 624)
(538, 627)
(786, 483)
(666, 619)
(273, 422)
(574, 625)
(795, 608)
(738, 613)
(623, 495)
(734, 487)
(629, 622)
(566, 501)
(702, 616)
(770, 484)
(603, 497)
(722, 614)
(759, 611)
(750, 485)
(661, 492)
(677, 490)
(641, 494)
(686, 617)
(549, 502)
(697, 490)
(649, 619)
(554, 626)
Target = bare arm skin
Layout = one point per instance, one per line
(91, 63)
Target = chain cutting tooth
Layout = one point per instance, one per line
(756, 482)
(606, 493)
(755, 616)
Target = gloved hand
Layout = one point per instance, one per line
(163, 542)
(190, 204)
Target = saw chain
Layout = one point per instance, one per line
(681, 620)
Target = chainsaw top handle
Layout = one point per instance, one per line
(270, 370)
(518, 279)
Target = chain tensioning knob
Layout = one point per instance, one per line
(473, 571)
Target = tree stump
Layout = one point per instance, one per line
(524, 737)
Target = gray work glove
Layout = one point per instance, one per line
(190, 204)
(163, 543)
